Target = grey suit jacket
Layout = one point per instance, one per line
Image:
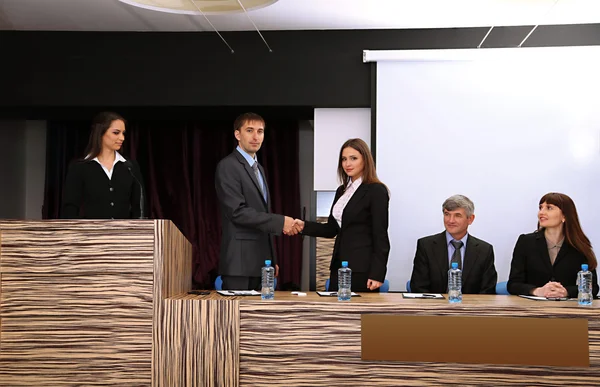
(246, 219)
(430, 269)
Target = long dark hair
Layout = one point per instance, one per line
(369, 174)
(571, 228)
(100, 125)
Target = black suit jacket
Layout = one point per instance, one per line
(246, 219)
(431, 265)
(363, 238)
(531, 268)
(90, 194)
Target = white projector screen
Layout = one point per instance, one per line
(502, 127)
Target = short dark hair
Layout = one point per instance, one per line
(244, 118)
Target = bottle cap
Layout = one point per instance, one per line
(268, 262)
(584, 267)
(455, 265)
(344, 263)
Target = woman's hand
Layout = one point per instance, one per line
(551, 290)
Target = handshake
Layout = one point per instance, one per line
(292, 226)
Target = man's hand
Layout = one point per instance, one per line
(276, 270)
(288, 226)
(372, 284)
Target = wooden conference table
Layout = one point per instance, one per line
(99, 303)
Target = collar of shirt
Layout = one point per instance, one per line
(118, 158)
(451, 248)
(450, 239)
(108, 172)
(354, 184)
(251, 160)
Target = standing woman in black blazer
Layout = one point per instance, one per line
(546, 262)
(104, 185)
(359, 219)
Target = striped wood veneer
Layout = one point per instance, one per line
(82, 301)
(323, 257)
(201, 343)
(313, 341)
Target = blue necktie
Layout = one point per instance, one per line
(257, 173)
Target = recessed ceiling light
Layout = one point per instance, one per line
(190, 7)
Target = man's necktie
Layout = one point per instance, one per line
(456, 256)
(257, 174)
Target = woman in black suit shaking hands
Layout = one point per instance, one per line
(359, 219)
(104, 185)
(546, 262)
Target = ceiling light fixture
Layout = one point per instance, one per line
(208, 7)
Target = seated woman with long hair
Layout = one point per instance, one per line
(546, 262)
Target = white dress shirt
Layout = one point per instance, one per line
(109, 172)
(338, 208)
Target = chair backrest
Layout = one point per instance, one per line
(385, 287)
(501, 288)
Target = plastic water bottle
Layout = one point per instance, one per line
(268, 281)
(454, 284)
(584, 282)
(344, 282)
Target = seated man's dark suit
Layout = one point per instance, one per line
(431, 265)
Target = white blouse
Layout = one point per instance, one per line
(338, 208)
(109, 172)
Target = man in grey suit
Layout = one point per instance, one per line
(435, 253)
(247, 221)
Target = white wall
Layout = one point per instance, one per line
(503, 132)
(332, 128)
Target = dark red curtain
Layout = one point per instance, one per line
(178, 160)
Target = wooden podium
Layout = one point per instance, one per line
(83, 302)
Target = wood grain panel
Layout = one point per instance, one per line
(316, 342)
(172, 260)
(200, 343)
(323, 257)
(172, 275)
(333, 371)
(60, 247)
(76, 302)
